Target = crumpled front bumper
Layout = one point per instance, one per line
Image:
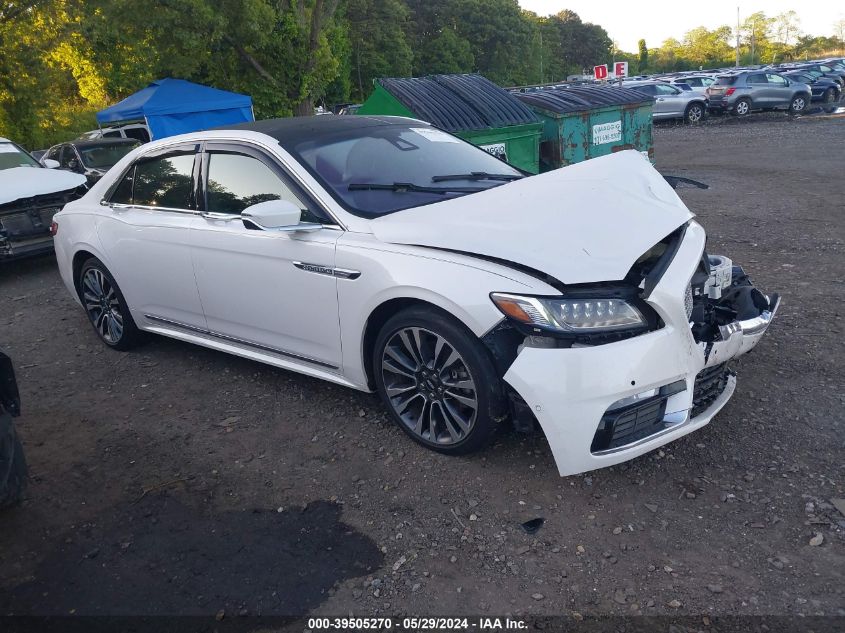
(570, 390)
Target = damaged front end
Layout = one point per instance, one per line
(25, 223)
(725, 308)
(604, 399)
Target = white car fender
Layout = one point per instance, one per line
(458, 284)
(75, 234)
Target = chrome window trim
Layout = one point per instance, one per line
(284, 164)
(240, 341)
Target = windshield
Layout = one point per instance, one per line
(373, 171)
(104, 156)
(13, 156)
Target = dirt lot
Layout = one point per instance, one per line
(178, 480)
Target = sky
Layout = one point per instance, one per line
(628, 21)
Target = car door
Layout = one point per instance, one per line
(779, 90)
(271, 290)
(146, 236)
(759, 93)
(669, 101)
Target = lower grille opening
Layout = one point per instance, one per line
(709, 385)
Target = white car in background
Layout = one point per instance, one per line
(698, 83)
(386, 255)
(30, 194)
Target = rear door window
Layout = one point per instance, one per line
(165, 181)
(756, 79)
(776, 80)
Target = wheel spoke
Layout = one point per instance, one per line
(113, 328)
(409, 348)
(464, 400)
(432, 425)
(395, 391)
(448, 423)
(460, 384)
(409, 369)
(402, 406)
(418, 425)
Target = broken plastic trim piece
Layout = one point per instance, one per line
(756, 325)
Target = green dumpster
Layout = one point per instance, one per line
(468, 106)
(588, 121)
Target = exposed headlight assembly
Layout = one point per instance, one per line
(571, 315)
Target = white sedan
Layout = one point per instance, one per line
(386, 255)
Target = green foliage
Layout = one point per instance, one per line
(65, 59)
(642, 60)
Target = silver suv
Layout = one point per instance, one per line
(743, 92)
(671, 102)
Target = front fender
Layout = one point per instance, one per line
(458, 284)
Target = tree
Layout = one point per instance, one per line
(378, 44)
(643, 57)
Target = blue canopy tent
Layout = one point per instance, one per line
(176, 106)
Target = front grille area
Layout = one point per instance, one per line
(709, 385)
(629, 424)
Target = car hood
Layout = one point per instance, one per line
(584, 223)
(26, 182)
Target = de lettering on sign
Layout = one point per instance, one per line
(600, 72)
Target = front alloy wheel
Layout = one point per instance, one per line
(438, 380)
(429, 386)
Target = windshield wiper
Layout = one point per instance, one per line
(409, 186)
(476, 175)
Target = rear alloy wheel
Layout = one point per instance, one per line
(742, 107)
(438, 381)
(694, 113)
(799, 103)
(105, 306)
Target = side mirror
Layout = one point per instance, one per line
(276, 215)
(49, 163)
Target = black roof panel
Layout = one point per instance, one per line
(293, 130)
(459, 102)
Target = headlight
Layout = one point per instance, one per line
(584, 315)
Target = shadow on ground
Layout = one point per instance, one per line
(160, 557)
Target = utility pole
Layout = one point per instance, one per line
(737, 37)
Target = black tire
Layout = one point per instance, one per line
(695, 113)
(799, 103)
(113, 308)
(742, 107)
(829, 95)
(425, 408)
(13, 470)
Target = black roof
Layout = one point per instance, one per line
(459, 102)
(581, 98)
(99, 142)
(293, 130)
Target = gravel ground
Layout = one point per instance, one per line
(178, 480)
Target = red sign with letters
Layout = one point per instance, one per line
(621, 69)
(600, 72)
